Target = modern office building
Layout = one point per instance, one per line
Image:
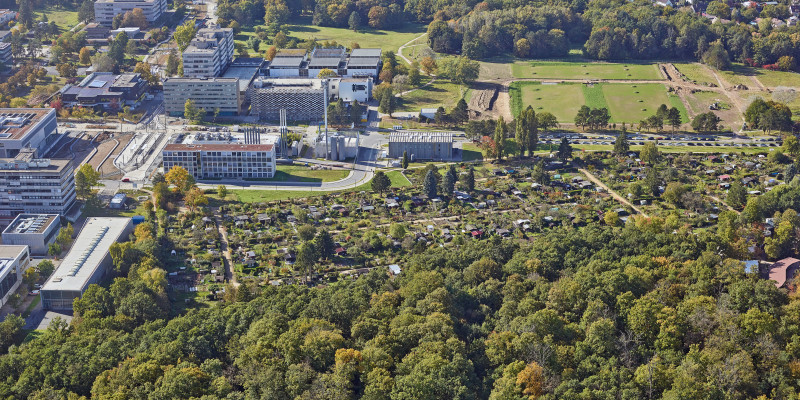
(421, 145)
(31, 185)
(364, 62)
(106, 91)
(14, 260)
(209, 53)
(34, 128)
(86, 263)
(36, 231)
(302, 98)
(106, 10)
(6, 58)
(208, 93)
(289, 63)
(331, 59)
(224, 155)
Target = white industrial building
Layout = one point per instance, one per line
(349, 89)
(36, 231)
(14, 260)
(421, 145)
(331, 59)
(106, 10)
(364, 62)
(289, 63)
(34, 128)
(339, 146)
(86, 263)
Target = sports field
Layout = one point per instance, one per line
(585, 70)
(302, 29)
(629, 103)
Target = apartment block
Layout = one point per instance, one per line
(35, 185)
(208, 93)
(209, 53)
(31, 128)
(106, 10)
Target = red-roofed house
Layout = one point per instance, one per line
(724, 177)
(783, 271)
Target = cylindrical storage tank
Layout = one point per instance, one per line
(332, 147)
(342, 154)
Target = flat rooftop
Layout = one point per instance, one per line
(9, 253)
(244, 71)
(288, 83)
(15, 122)
(287, 62)
(290, 53)
(363, 62)
(89, 250)
(365, 53)
(33, 165)
(218, 147)
(421, 137)
(31, 224)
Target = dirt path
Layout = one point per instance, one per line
(400, 50)
(718, 200)
(610, 191)
(230, 275)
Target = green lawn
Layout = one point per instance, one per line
(299, 173)
(562, 100)
(700, 101)
(257, 196)
(66, 18)
(633, 103)
(629, 103)
(739, 75)
(584, 70)
(302, 29)
(398, 179)
(440, 93)
(697, 73)
(471, 152)
(778, 78)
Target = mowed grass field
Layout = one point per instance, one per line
(629, 103)
(65, 18)
(440, 93)
(562, 100)
(697, 73)
(632, 103)
(366, 38)
(585, 70)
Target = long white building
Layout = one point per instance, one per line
(86, 263)
(224, 156)
(106, 10)
(209, 53)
